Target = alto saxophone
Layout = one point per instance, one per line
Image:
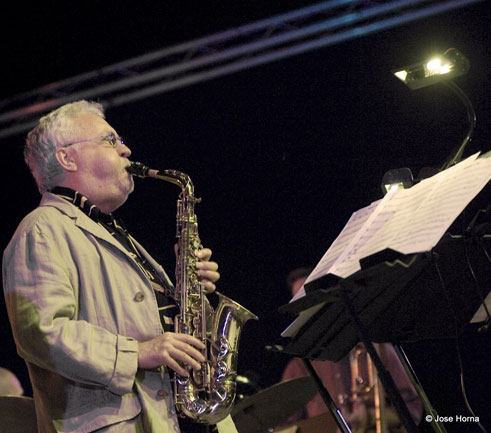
(206, 396)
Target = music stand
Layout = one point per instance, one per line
(394, 298)
(268, 408)
(335, 329)
(17, 414)
(391, 297)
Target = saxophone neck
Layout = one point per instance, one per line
(176, 177)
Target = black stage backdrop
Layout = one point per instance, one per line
(281, 155)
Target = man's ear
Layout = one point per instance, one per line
(65, 158)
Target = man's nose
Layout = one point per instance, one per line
(124, 150)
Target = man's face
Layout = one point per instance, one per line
(297, 284)
(101, 173)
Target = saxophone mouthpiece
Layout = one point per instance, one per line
(137, 169)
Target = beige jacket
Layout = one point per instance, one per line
(78, 304)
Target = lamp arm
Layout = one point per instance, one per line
(471, 116)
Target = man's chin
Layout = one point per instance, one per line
(128, 192)
(131, 186)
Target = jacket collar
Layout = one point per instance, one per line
(89, 225)
(81, 219)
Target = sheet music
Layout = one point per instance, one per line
(352, 227)
(406, 220)
(358, 219)
(429, 208)
(348, 262)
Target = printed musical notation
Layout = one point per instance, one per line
(406, 220)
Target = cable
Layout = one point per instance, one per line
(478, 288)
(457, 346)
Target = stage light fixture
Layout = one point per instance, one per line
(445, 67)
(442, 69)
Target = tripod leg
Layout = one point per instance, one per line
(437, 426)
(335, 412)
(385, 377)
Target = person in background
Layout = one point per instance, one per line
(91, 311)
(337, 379)
(9, 383)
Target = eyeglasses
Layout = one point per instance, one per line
(110, 138)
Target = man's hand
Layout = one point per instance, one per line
(207, 271)
(172, 350)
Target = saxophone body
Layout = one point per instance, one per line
(206, 396)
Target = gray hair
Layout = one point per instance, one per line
(54, 130)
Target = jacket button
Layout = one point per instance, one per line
(162, 393)
(139, 297)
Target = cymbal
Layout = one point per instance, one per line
(272, 406)
(17, 414)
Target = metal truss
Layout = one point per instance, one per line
(220, 54)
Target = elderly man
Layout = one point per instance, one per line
(86, 302)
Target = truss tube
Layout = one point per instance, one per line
(195, 44)
(286, 52)
(249, 62)
(331, 24)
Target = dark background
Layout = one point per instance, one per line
(281, 154)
